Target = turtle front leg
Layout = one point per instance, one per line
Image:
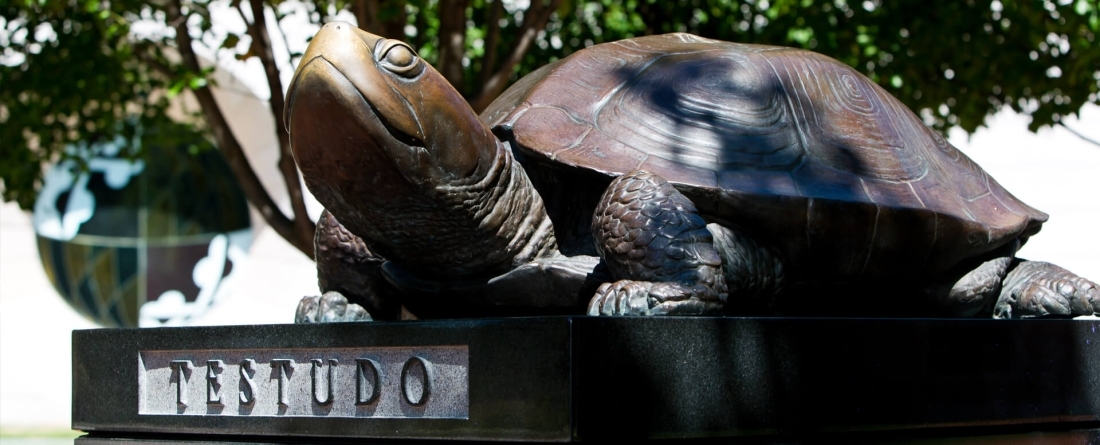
(1019, 289)
(332, 307)
(655, 243)
(350, 278)
(1035, 289)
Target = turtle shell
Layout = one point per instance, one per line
(788, 145)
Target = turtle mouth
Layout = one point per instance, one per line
(412, 142)
(358, 165)
(319, 72)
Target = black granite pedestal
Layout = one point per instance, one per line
(592, 379)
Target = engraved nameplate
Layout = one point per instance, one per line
(385, 382)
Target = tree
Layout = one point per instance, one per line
(75, 71)
(80, 70)
(80, 74)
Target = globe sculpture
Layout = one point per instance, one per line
(141, 242)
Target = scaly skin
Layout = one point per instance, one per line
(1035, 289)
(658, 247)
(346, 265)
(509, 222)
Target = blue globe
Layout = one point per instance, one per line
(144, 242)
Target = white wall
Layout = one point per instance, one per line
(1053, 171)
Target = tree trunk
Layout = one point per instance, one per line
(231, 148)
(534, 19)
(382, 17)
(452, 42)
(304, 226)
(492, 39)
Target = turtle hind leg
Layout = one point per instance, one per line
(655, 243)
(1035, 289)
(974, 293)
(350, 278)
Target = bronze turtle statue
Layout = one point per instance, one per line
(668, 174)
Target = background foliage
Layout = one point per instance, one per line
(86, 69)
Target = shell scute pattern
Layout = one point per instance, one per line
(714, 112)
(845, 122)
(772, 140)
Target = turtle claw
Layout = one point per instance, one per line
(332, 307)
(623, 297)
(651, 236)
(1036, 289)
(627, 297)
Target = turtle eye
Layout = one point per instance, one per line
(399, 58)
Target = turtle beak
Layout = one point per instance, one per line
(338, 141)
(350, 51)
(348, 156)
(441, 138)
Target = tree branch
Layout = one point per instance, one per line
(369, 15)
(492, 38)
(227, 142)
(538, 14)
(1082, 136)
(364, 11)
(421, 24)
(142, 54)
(261, 41)
(452, 42)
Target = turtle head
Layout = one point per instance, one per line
(373, 126)
(383, 140)
(387, 100)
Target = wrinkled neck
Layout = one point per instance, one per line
(475, 227)
(505, 213)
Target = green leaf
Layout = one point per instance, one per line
(175, 89)
(1083, 7)
(800, 35)
(231, 41)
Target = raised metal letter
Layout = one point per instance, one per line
(248, 387)
(181, 368)
(283, 367)
(317, 363)
(416, 381)
(214, 381)
(368, 381)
